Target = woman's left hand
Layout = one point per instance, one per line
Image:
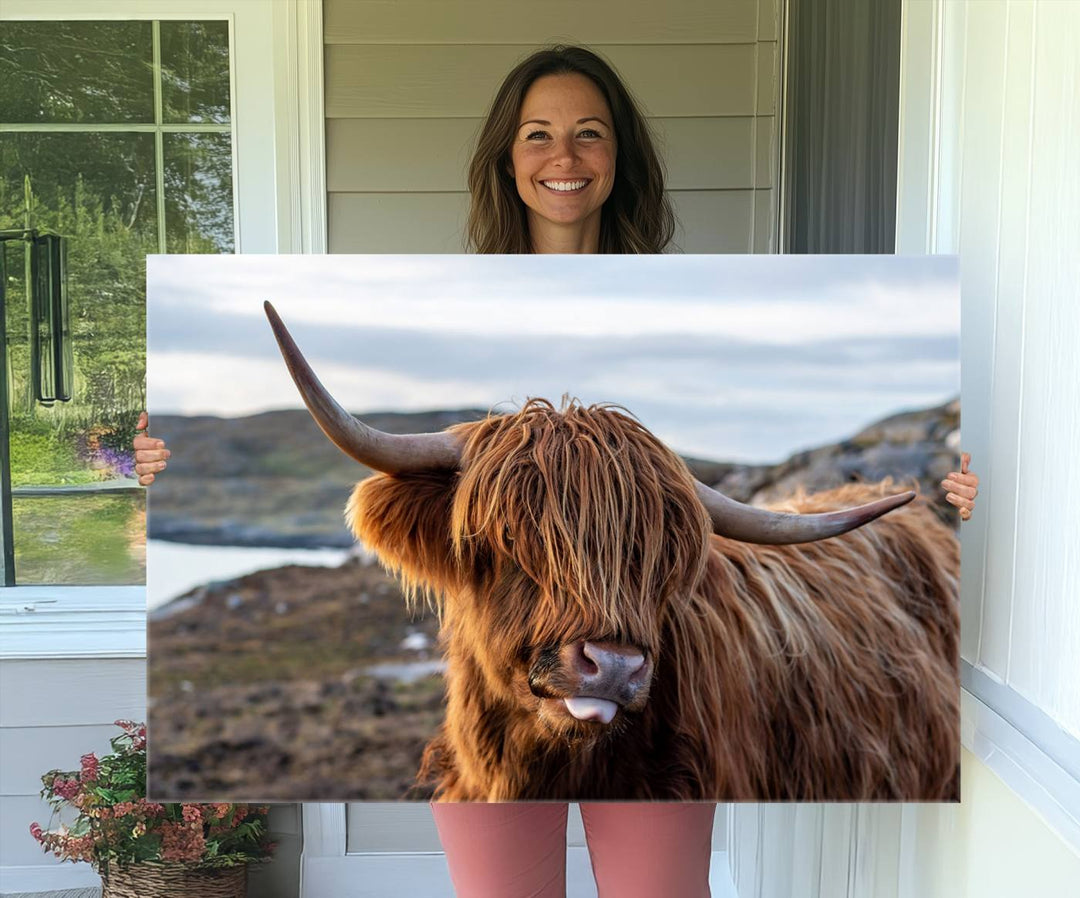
(961, 487)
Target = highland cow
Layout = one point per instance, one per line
(616, 630)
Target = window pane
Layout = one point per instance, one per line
(195, 71)
(81, 184)
(76, 72)
(198, 193)
(98, 191)
(82, 540)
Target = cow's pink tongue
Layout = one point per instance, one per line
(585, 708)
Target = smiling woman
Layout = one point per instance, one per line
(563, 161)
(565, 164)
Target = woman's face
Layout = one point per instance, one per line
(563, 155)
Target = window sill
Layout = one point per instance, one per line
(1023, 766)
(73, 622)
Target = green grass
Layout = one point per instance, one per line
(40, 459)
(80, 540)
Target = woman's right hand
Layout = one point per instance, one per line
(150, 454)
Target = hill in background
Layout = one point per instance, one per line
(273, 479)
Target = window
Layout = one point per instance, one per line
(278, 184)
(116, 135)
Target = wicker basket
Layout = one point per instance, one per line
(150, 880)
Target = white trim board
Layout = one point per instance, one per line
(73, 622)
(300, 121)
(1059, 745)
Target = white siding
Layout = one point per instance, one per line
(1016, 188)
(53, 712)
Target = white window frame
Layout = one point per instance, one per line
(1038, 760)
(279, 201)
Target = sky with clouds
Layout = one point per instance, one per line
(745, 358)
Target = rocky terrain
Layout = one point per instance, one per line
(307, 683)
(296, 683)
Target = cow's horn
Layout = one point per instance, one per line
(758, 525)
(387, 452)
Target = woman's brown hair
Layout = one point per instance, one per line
(637, 216)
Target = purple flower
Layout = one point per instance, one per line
(119, 462)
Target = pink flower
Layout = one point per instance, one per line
(65, 788)
(35, 831)
(192, 813)
(79, 848)
(89, 768)
(181, 842)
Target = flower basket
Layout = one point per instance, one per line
(173, 881)
(146, 849)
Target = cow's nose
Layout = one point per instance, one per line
(608, 670)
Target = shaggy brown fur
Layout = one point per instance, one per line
(822, 671)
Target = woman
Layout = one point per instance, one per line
(565, 164)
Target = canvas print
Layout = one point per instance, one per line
(642, 528)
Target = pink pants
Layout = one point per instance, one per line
(518, 850)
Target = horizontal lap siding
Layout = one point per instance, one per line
(53, 712)
(708, 221)
(460, 80)
(530, 23)
(380, 155)
(407, 85)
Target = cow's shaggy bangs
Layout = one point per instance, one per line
(587, 503)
